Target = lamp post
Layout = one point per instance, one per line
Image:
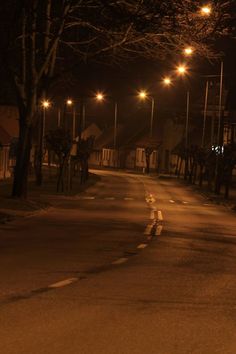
(71, 103)
(143, 95)
(100, 97)
(181, 71)
(45, 104)
(219, 151)
(205, 113)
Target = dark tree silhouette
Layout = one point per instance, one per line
(60, 142)
(37, 33)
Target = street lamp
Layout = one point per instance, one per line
(188, 51)
(167, 81)
(205, 10)
(143, 95)
(181, 69)
(100, 97)
(45, 104)
(70, 103)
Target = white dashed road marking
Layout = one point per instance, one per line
(62, 283)
(128, 198)
(158, 230)
(153, 214)
(148, 229)
(171, 201)
(109, 198)
(159, 217)
(142, 245)
(120, 261)
(88, 198)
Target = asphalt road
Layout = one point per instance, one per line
(135, 265)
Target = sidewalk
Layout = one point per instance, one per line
(39, 198)
(214, 198)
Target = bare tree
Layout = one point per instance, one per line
(43, 32)
(59, 141)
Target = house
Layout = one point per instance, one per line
(134, 150)
(5, 165)
(105, 154)
(131, 147)
(91, 130)
(9, 132)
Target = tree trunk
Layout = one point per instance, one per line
(60, 180)
(186, 168)
(20, 182)
(147, 164)
(201, 176)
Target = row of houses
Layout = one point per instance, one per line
(128, 151)
(9, 132)
(124, 148)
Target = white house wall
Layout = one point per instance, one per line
(141, 159)
(5, 171)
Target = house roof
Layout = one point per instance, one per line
(92, 129)
(128, 137)
(9, 120)
(106, 139)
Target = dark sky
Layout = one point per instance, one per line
(122, 84)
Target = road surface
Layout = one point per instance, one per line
(134, 265)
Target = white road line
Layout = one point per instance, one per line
(171, 201)
(62, 283)
(185, 202)
(142, 245)
(153, 214)
(120, 261)
(150, 198)
(109, 198)
(160, 217)
(148, 229)
(87, 198)
(128, 198)
(159, 230)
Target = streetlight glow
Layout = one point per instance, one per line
(69, 102)
(46, 104)
(181, 69)
(99, 96)
(188, 51)
(143, 95)
(167, 81)
(205, 10)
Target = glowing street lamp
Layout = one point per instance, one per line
(69, 102)
(205, 10)
(167, 81)
(181, 69)
(143, 95)
(46, 104)
(188, 51)
(99, 96)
